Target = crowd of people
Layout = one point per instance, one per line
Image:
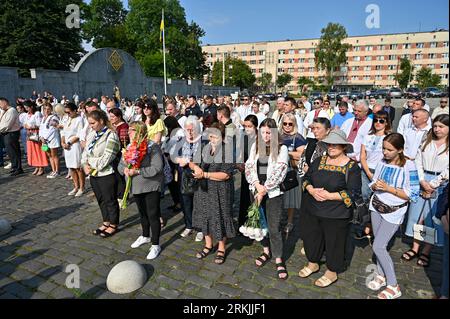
(337, 154)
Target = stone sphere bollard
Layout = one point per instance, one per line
(5, 227)
(126, 277)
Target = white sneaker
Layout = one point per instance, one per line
(302, 251)
(73, 192)
(8, 166)
(52, 175)
(186, 232)
(154, 252)
(79, 193)
(140, 241)
(199, 236)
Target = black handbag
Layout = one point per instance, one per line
(360, 209)
(290, 181)
(188, 183)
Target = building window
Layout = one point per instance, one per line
(280, 70)
(302, 60)
(311, 69)
(261, 70)
(302, 51)
(379, 68)
(418, 56)
(244, 53)
(280, 52)
(357, 58)
(378, 78)
(446, 44)
(381, 47)
(281, 61)
(291, 60)
(357, 49)
(392, 57)
(314, 50)
(380, 58)
(311, 60)
(368, 58)
(369, 48)
(432, 56)
(301, 69)
(433, 45)
(420, 45)
(407, 46)
(252, 62)
(444, 66)
(390, 77)
(393, 47)
(291, 70)
(355, 68)
(445, 55)
(367, 68)
(444, 76)
(291, 51)
(354, 78)
(367, 78)
(391, 67)
(261, 61)
(253, 53)
(343, 69)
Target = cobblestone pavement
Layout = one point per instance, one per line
(51, 231)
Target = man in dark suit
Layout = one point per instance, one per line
(389, 109)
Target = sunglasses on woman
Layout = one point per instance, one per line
(288, 124)
(381, 121)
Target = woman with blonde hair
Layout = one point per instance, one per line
(49, 136)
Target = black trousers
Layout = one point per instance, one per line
(325, 234)
(245, 201)
(12, 147)
(120, 179)
(148, 205)
(273, 208)
(175, 186)
(105, 190)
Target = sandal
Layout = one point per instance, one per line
(99, 231)
(264, 260)
(377, 283)
(390, 293)
(105, 234)
(324, 282)
(424, 260)
(409, 255)
(220, 257)
(306, 272)
(202, 254)
(282, 271)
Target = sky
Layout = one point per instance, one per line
(232, 21)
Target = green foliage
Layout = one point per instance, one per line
(426, 78)
(283, 80)
(403, 77)
(264, 81)
(34, 34)
(239, 74)
(184, 55)
(331, 51)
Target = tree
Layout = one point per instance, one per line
(331, 51)
(426, 78)
(104, 25)
(304, 84)
(184, 55)
(264, 81)
(404, 76)
(237, 73)
(34, 35)
(283, 80)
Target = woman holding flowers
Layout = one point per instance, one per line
(142, 164)
(102, 146)
(212, 201)
(265, 170)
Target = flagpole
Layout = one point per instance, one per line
(164, 54)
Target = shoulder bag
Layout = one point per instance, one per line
(361, 214)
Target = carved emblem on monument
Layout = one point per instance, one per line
(115, 60)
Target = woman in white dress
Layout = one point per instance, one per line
(49, 135)
(70, 141)
(36, 157)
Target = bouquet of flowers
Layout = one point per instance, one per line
(133, 156)
(256, 226)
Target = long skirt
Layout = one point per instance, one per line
(36, 156)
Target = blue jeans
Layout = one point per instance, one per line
(365, 189)
(444, 287)
(23, 139)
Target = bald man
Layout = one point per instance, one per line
(406, 120)
(415, 135)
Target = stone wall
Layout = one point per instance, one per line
(96, 74)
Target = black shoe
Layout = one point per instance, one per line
(16, 173)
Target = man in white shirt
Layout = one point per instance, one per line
(305, 102)
(279, 111)
(265, 107)
(406, 120)
(372, 102)
(289, 107)
(10, 129)
(442, 109)
(257, 112)
(345, 98)
(311, 116)
(415, 135)
(245, 109)
(172, 110)
(358, 127)
(103, 103)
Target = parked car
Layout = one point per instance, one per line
(315, 95)
(369, 93)
(433, 92)
(332, 94)
(270, 96)
(395, 93)
(356, 95)
(342, 94)
(412, 93)
(382, 93)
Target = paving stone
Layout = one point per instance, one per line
(228, 290)
(167, 293)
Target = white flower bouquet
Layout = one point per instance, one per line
(255, 227)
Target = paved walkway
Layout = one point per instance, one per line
(51, 231)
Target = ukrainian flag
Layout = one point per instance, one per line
(161, 28)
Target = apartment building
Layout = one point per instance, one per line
(373, 60)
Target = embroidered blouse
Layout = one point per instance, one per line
(332, 179)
